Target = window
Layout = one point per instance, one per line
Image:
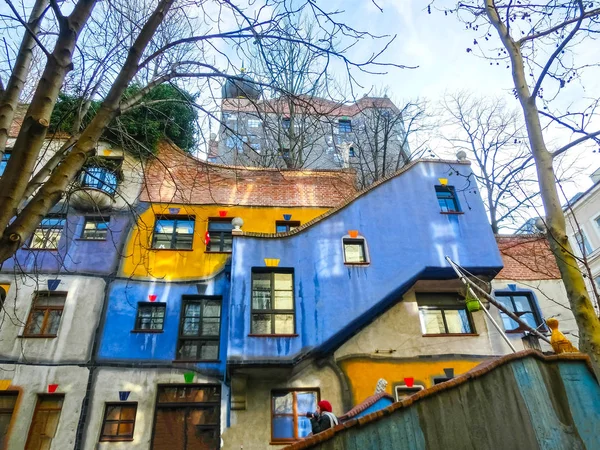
(44, 422)
(254, 123)
(597, 280)
(150, 316)
(200, 329)
(345, 126)
(522, 304)
(285, 153)
(8, 399)
(99, 178)
(272, 302)
(118, 422)
(443, 314)
(282, 226)
(173, 232)
(351, 152)
(582, 243)
(4, 162)
(288, 414)
(438, 380)
(355, 251)
(95, 229)
(255, 146)
(45, 314)
(285, 123)
(447, 200)
(47, 234)
(404, 391)
(220, 238)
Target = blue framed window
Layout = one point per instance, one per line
(4, 162)
(173, 232)
(345, 126)
(47, 234)
(288, 414)
(523, 305)
(95, 229)
(99, 178)
(447, 200)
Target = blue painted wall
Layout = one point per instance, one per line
(379, 404)
(75, 255)
(407, 237)
(118, 343)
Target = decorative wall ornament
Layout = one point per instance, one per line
(222, 213)
(124, 395)
(189, 377)
(449, 372)
(381, 386)
(271, 262)
(52, 388)
(53, 284)
(353, 233)
(443, 181)
(4, 384)
(152, 297)
(287, 217)
(174, 211)
(409, 381)
(512, 287)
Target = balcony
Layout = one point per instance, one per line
(95, 189)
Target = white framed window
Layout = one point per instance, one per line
(401, 391)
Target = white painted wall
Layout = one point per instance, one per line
(80, 317)
(34, 380)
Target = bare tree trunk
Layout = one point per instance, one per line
(10, 98)
(587, 321)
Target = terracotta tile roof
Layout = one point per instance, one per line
(176, 177)
(306, 104)
(476, 372)
(526, 257)
(366, 403)
(15, 126)
(350, 199)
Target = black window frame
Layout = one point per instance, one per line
(47, 230)
(96, 220)
(288, 224)
(345, 125)
(272, 311)
(534, 309)
(182, 338)
(139, 318)
(222, 234)
(118, 438)
(173, 241)
(452, 198)
(459, 306)
(101, 178)
(354, 241)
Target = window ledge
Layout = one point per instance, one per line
(90, 240)
(107, 439)
(452, 213)
(218, 253)
(357, 264)
(194, 361)
(273, 335)
(450, 334)
(288, 442)
(172, 249)
(39, 249)
(147, 331)
(37, 336)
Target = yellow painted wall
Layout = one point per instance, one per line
(364, 373)
(140, 260)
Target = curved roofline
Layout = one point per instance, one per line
(251, 168)
(350, 200)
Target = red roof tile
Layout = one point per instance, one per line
(175, 177)
(366, 403)
(526, 257)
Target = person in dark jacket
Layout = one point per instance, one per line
(323, 419)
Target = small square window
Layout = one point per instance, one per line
(119, 421)
(47, 234)
(285, 123)
(45, 314)
(345, 126)
(150, 316)
(443, 314)
(447, 200)
(355, 251)
(173, 232)
(403, 392)
(219, 237)
(288, 414)
(254, 123)
(95, 229)
(282, 226)
(522, 304)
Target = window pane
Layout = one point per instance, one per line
(284, 324)
(164, 226)
(354, 252)
(210, 326)
(307, 402)
(509, 324)
(113, 412)
(522, 303)
(283, 403)
(185, 226)
(191, 326)
(261, 323)
(529, 318)
(432, 321)
(283, 427)
(188, 349)
(35, 322)
(110, 429)
(283, 281)
(457, 320)
(220, 226)
(162, 241)
(53, 321)
(304, 426)
(283, 300)
(281, 228)
(212, 308)
(261, 299)
(210, 351)
(125, 429)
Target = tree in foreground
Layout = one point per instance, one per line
(114, 55)
(548, 47)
